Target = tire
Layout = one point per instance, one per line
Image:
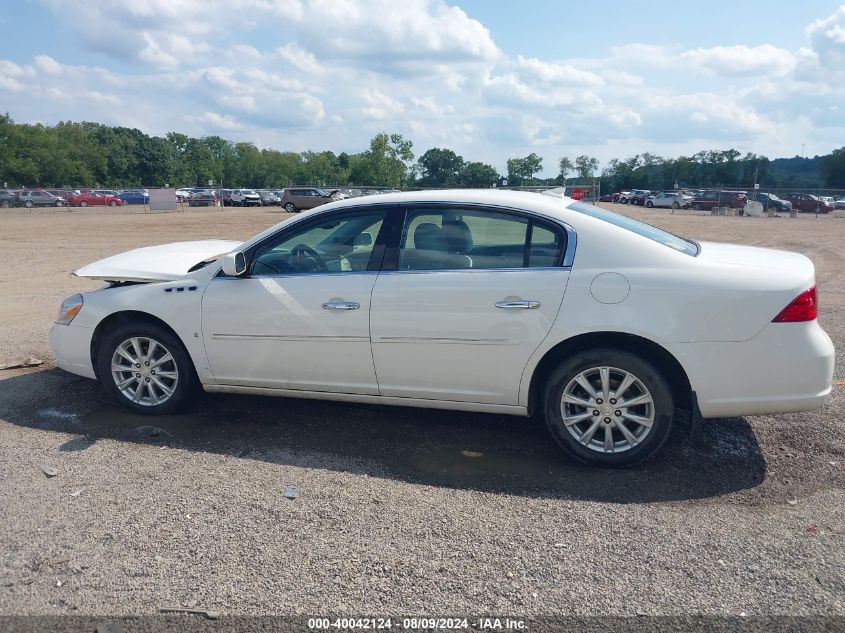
(649, 204)
(290, 207)
(184, 385)
(112, 203)
(647, 383)
(696, 206)
(28, 204)
(83, 204)
(623, 200)
(58, 204)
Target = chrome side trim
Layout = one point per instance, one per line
(518, 305)
(478, 271)
(292, 337)
(452, 405)
(462, 341)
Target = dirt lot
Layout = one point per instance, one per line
(392, 516)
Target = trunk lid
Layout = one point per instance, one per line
(156, 263)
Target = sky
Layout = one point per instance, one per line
(490, 79)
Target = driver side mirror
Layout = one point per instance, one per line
(362, 239)
(234, 264)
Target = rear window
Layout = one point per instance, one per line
(640, 228)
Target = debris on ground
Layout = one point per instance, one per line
(471, 454)
(49, 471)
(77, 493)
(151, 431)
(291, 493)
(813, 529)
(22, 362)
(211, 615)
(792, 502)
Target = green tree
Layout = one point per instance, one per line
(440, 168)
(522, 170)
(565, 167)
(586, 166)
(833, 169)
(478, 175)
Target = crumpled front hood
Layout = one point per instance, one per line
(156, 263)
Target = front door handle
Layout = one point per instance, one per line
(341, 305)
(518, 305)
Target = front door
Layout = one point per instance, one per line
(299, 318)
(473, 294)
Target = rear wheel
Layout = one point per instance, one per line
(649, 204)
(28, 204)
(83, 204)
(608, 407)
(146, 368)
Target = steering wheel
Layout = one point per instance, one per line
(300, 252)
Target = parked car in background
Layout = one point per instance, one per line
(245, 198)
(39, 198)
(710, 199)
(668, 200)
(770, 201)
(808, 203)
(269, 198)
(301, 198)
(203, 199)
(590, 320)
(638, 197)
(95, 199)
(182, 195)
(226, 197)
(8, 198)
(839, 204)
(607, 197)
(135, 196)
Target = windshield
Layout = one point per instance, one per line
(635, 226)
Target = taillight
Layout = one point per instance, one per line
(805, 307)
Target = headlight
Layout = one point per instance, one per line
(70, 308)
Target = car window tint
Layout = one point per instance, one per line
(546, 246)
(456, 239)
(338, 243)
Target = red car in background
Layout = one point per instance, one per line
(92, 198)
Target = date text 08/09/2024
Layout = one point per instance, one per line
(417, 623)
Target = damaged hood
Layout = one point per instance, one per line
(156, 263)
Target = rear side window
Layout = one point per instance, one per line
(455, 239)
(635, 226)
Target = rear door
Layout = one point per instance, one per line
(464, 299)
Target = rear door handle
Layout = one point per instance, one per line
(518, 305)
(341, 305)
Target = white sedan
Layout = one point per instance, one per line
(496, 301)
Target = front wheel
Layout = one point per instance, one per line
(83, 204)
(112, 203)
(28, 204)
(289, 207)
(146, 368)
(608, 407)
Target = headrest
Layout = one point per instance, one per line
(458, 236)
(427, 237)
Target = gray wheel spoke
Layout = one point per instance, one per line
(164, 359)
(633, 402)
(641, 420)
(604, 373)
(627, 381)
(570, 399)
(124, 354)
(166, 374)
(575, 419)
(126, 382)
(167, 390)
(585, 384)
(136, 347)
(609, 445)
(589, 433)
(632, 439)
(139, 392)
(151, 350)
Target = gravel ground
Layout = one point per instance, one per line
(397, 512)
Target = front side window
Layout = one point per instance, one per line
(338, 243)
(460, 239)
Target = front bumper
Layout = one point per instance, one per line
(71, 347)
(786, 368)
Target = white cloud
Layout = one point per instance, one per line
(742, 61)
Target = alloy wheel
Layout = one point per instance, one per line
(607, 410)
(144, 371)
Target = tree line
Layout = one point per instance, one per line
(71, 154)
